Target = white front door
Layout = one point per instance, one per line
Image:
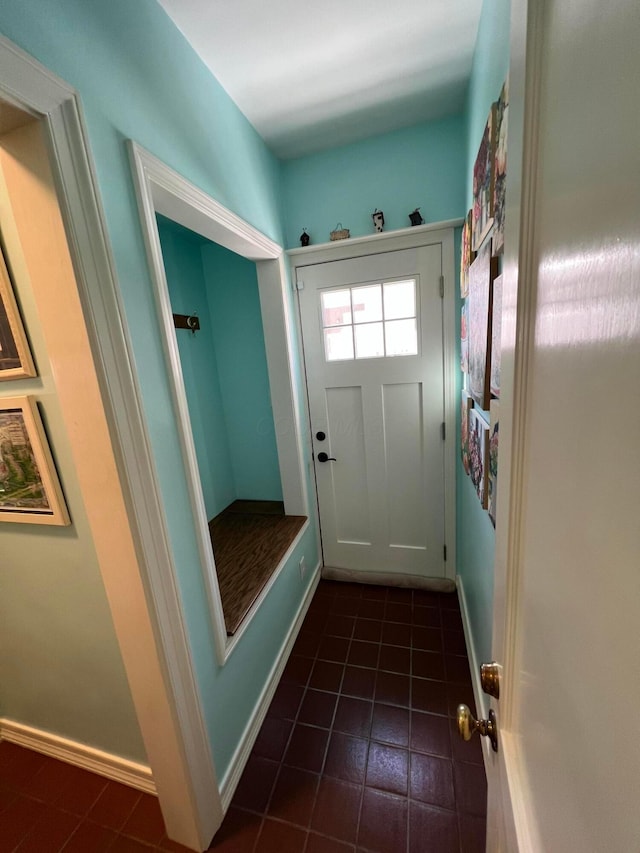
(372, 330)
(567, 592)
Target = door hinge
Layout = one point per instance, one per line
(443, 430)
(445, 553)
(299, 285)
(441, 287)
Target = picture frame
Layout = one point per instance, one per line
(30, 491)
(496, 335)
(16, 361)
(464, 338)
(492, 480)
(467, 256)
(481, 275)
(479, 455)
(466, 404)
(483, 183)
(500, 170)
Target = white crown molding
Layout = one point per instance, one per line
(178, 199)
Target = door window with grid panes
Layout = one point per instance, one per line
(370, 320)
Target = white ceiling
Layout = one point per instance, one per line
(313, 76)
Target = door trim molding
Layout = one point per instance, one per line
(184, 773)
(517, 829)
(159, 189)
(412, 238)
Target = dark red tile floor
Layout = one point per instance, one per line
(47, 806)
(358, 751)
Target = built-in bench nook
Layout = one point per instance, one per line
(249, 540)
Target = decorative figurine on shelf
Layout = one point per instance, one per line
(304, 238)
(378, 219)
(415, 217)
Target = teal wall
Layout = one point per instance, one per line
(236, 325)
(181, 251)
(138, 78)
(421, 166)
(475, 541)
(224, 368)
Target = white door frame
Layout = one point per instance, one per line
(159, 189)
(177, 741)
(410, 238)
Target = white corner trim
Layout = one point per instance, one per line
(105, 764)
(482, 702)
(231, 778)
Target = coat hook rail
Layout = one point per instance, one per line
(187, 321)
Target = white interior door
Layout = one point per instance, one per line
(373, 343)
(567, 594)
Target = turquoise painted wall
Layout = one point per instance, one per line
(238, 336)
(139, 79)
(224, 367)
(181, 250)
(475, 539)
(421, 166)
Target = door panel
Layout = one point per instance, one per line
(345, 419)
(404, 465)
(381, 501)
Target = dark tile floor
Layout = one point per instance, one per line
(47, 806)
(358, 751)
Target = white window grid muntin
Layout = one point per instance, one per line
(383, 321)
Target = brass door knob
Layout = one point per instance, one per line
(468, 725)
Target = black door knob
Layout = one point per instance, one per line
(323, 457)
(321, 435)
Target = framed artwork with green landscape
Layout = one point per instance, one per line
(30, 491)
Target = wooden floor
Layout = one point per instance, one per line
(249, 539)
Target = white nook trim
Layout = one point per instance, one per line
(160, 189)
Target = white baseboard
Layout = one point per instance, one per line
(231, 778)
(482, 700)
(80, 755)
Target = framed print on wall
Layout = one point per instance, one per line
(483, 183)
(481, 273)
(500, 180)
(492, 479)
(496, 335)
(464, 338)
(466, 404)
(479, 455)
(30, 491)
(15, 358)
(466, 256)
